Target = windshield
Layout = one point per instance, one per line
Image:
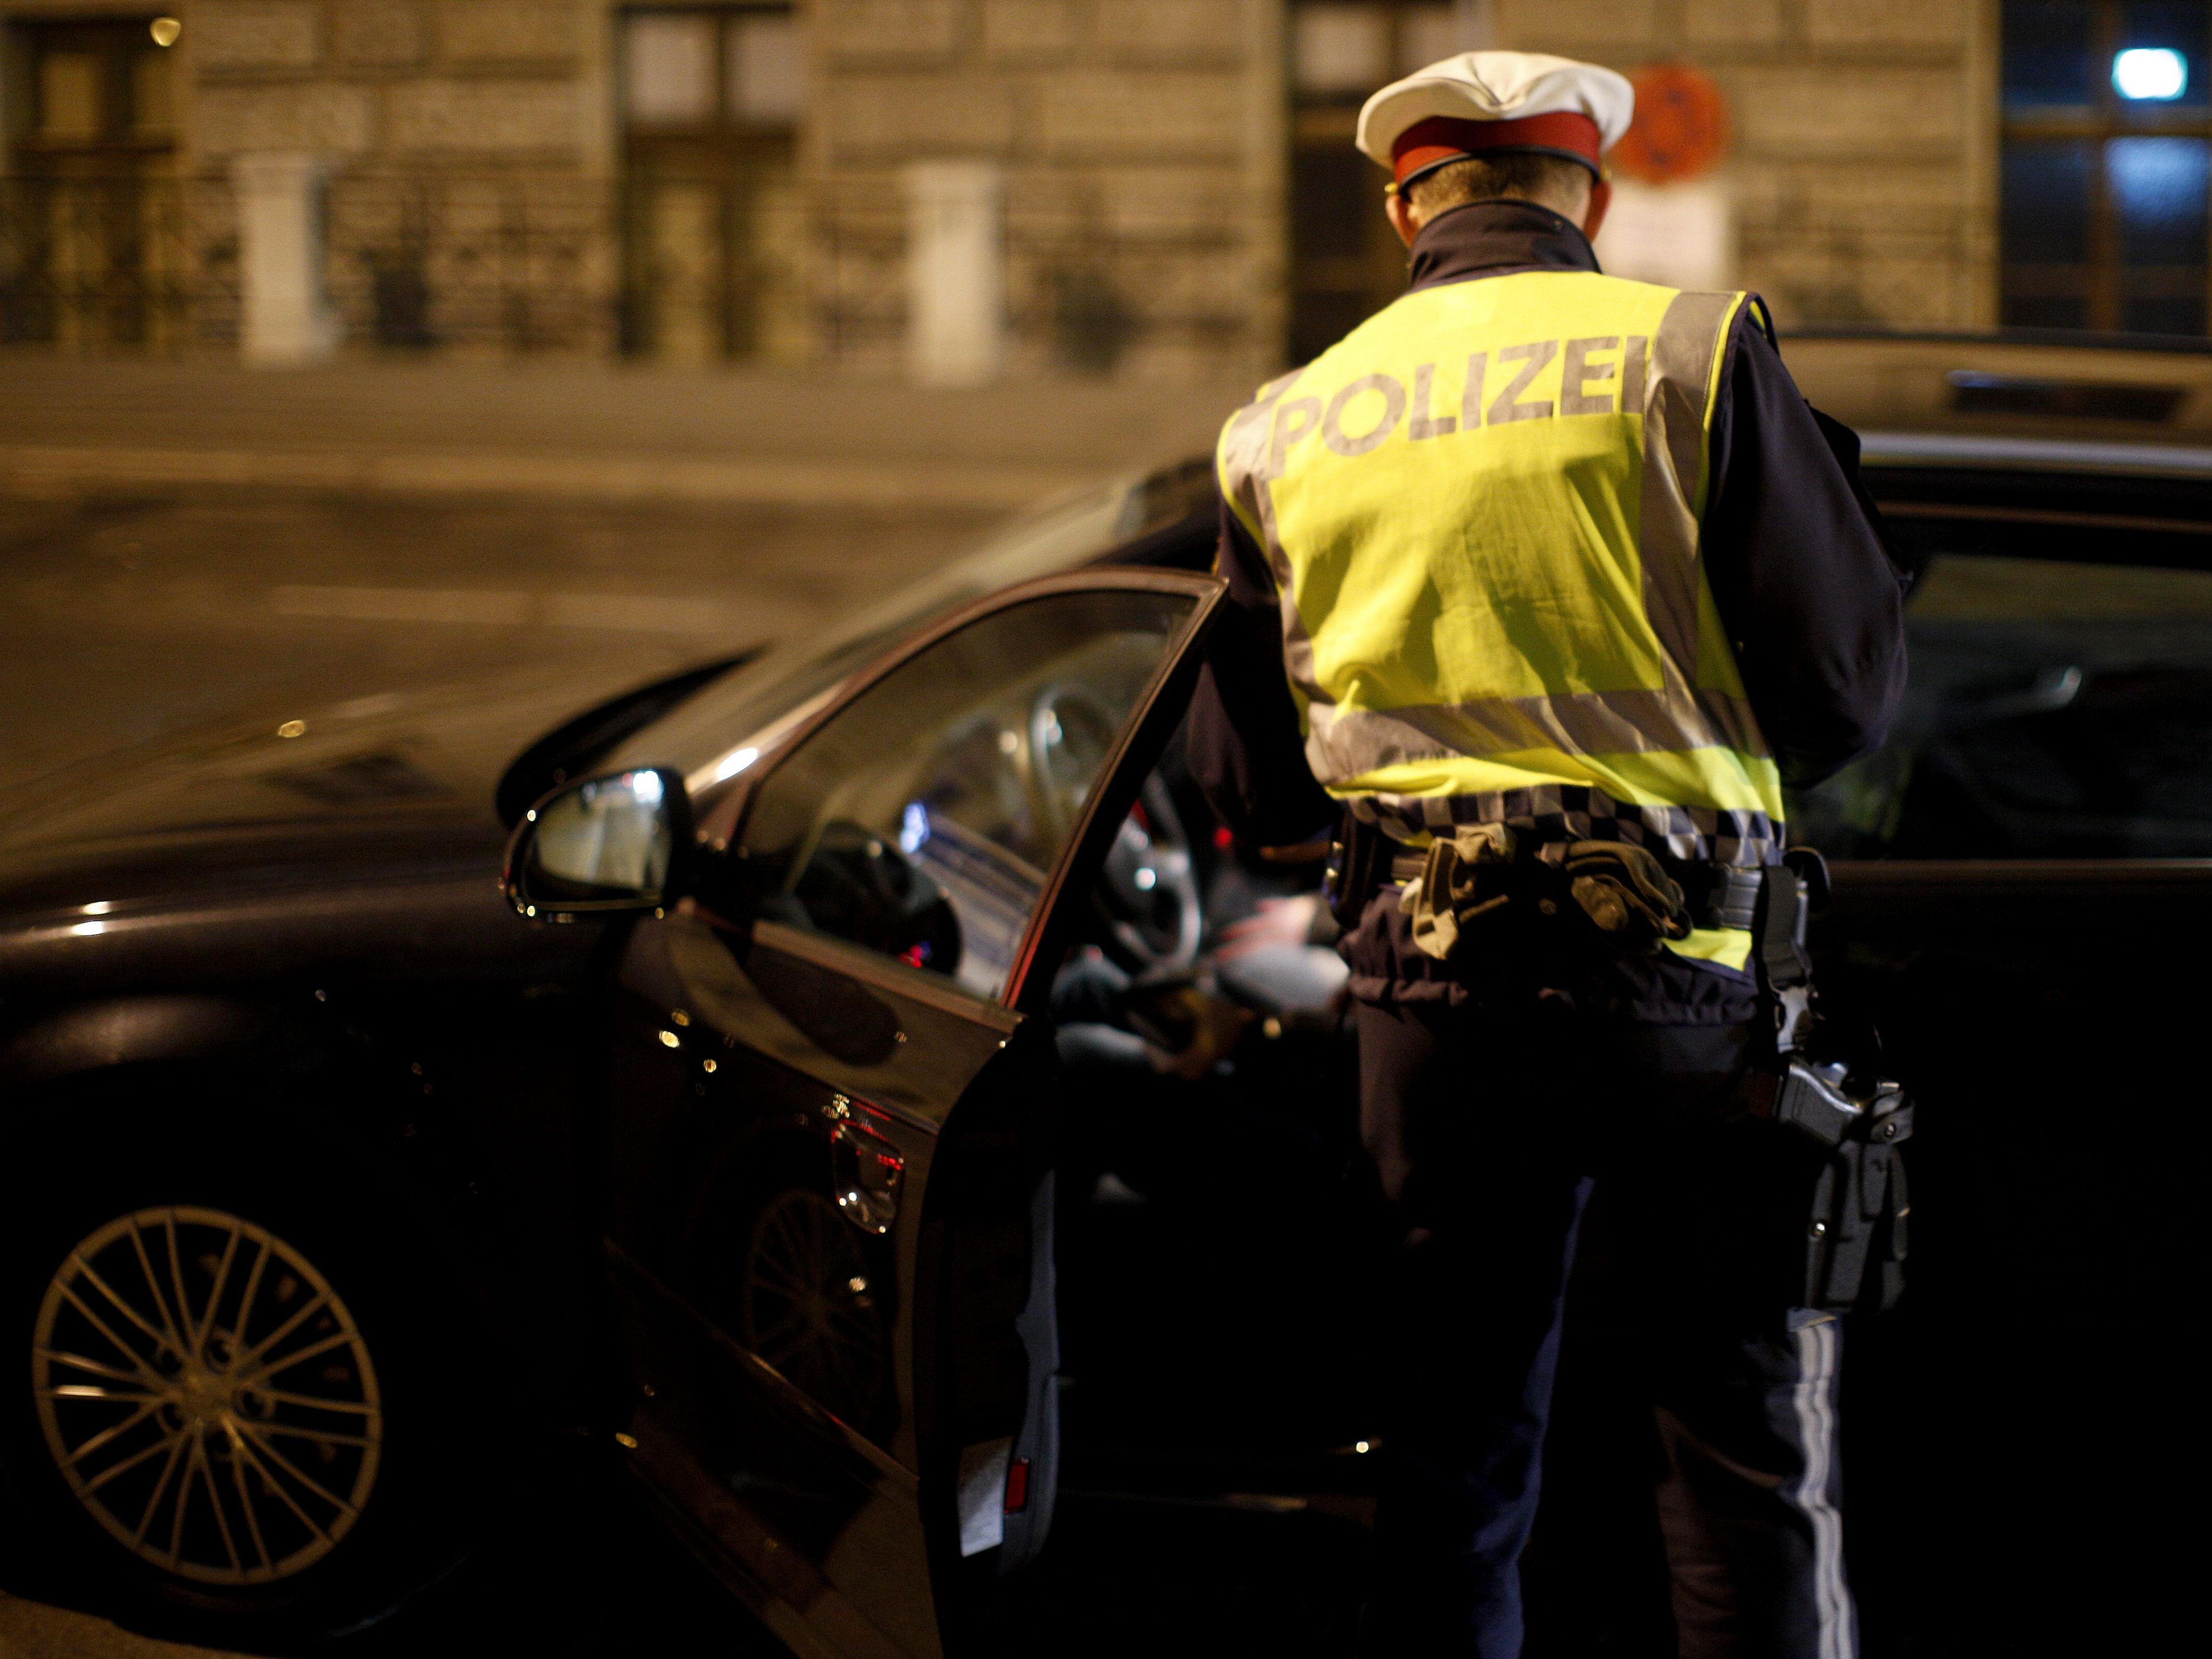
(716, 735)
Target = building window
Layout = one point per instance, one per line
(92, 250)
(1346, 260)
(712, 96)
(2107, 165)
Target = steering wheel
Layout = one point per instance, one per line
(1147, 896)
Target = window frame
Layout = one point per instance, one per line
(723, 817)
(2102, 273)
(1987, 495)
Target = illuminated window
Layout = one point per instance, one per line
(669, 63)
(764, 69)
(719, 67)
(2107, 165)
(1341, 48)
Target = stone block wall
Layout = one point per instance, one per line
(471, 203)
(1143, 146)
(1863, 161)
(418, 83)
(1144, 143)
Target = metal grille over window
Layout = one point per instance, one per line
(711, 217)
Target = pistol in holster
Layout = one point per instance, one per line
(1855, 1233)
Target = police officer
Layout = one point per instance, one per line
(1543, 584)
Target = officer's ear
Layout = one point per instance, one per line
(1601, 198)
(1401, 216)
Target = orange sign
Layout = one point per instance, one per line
(1681, 128)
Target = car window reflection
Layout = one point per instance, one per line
(922, 820)
(2056, 709)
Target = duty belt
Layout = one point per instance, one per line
(1718, 894)
(1365, 859)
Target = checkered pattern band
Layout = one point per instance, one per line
(1557, 814)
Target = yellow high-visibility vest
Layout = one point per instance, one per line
(1482, 509)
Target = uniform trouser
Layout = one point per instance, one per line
(1490, 1131)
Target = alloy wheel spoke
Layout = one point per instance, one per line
(199, 1459)
(154, 1504)
(146, 1372)
(85, 1271)
(113, 1470)
(144, 1410)
(77, 1362)
(252, 1356)
(284, 1397)
(321, 1436)
(245, 1498)
(215, 1297)
(169, 1333)
(246, 1297)
(177, 1516)
(313, 1351)
(177, 1278)
(257, 1434)
(284, 1496)
(93, 1391)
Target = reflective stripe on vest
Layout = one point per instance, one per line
(1482, 511)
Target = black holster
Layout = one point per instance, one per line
(1855, 1232)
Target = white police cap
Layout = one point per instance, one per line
(1482, 101)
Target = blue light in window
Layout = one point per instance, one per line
(914, 827)
(2150, 74)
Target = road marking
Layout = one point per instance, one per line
(642, 613)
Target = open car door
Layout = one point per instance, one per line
(830, 1115)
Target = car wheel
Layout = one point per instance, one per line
(206, 1396)
(253, 1415)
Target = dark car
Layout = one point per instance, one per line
(874, 1140)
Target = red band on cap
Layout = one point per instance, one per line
(1441, 137)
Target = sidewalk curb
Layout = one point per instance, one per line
(42, 468)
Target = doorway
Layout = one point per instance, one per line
(91, 249)
(713, 232)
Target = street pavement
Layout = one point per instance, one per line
(126, 616)
(184, 545)
(185, 542)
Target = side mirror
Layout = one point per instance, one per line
(607, 844)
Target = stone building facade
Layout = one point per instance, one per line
(753, 180)
(1863, 166)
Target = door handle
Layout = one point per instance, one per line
(866, 1173)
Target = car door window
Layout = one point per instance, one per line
(2057, 708)
(923, 818)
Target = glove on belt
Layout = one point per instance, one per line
(1461, 880)
(1623, 892)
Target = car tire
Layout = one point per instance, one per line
(242, 1405)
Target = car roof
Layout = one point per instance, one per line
(2094, 402)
